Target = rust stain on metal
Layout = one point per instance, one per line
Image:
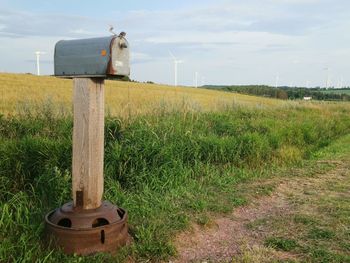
(110, 69)
(85, 232)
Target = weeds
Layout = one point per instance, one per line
(163, 169)
(315, 229)
(281, 243)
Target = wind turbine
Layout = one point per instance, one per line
(38, 53)
(328, 77)
(202, 81)
(176, 62)
(307, 84)
(341, 82)
(277, 79)
(196, 79)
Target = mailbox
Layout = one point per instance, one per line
(93, 57)
(88, 224)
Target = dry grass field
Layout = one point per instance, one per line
(122, 98)
(22, 92)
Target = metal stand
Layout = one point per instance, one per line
(85, 232)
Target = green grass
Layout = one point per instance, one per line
(165, 170)
(319, 233)
(281, 243)
(316, 227)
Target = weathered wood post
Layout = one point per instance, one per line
(88, 224)
(88, 141)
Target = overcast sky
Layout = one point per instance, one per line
(227, 42)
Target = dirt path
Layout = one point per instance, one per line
(231, 235)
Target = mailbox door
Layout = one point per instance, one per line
(120, 64)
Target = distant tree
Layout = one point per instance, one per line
(284, 92)
(281, 94)
(120, 78)
(125, 78)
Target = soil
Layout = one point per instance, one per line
(227, 236)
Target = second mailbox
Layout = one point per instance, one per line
(93, 57)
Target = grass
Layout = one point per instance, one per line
(281, 243)
(163, 169)
(20, 93)
(166, 169)
(316, 228)
(122, 98)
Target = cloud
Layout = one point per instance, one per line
(289, 18)
(270, 49)
(278, 17)
(221, 40)
(297, 1)
(27, 24)
(81, 31)
(245, 37)
(138, 57)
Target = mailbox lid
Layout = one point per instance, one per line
(83, 57)
(120, 57)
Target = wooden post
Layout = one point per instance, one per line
(88, 142)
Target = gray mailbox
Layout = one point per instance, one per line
(89, 224)
(93, 57)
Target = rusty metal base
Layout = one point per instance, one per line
(84, 232)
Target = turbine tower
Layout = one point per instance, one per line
(196, 79)
(341, 82)
(328, 77)
(38, 53)
(277, 80)
(307, 84)
(202, 81)
(176, 62)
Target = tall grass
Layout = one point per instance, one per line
(165, 169)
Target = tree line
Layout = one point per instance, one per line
(284, 92)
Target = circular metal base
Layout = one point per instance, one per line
(85, 232)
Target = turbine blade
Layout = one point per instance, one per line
(172, 55)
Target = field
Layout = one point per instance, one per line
(18, 91)
(175, 158)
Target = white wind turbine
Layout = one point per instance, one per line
(202, 81)
(328, 77)
(307, 84)
(176, 62)
(277, 80)
(196, 79)
(38, 53)
(341, 82)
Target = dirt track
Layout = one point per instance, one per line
(230, 236)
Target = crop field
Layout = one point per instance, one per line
(174, 158)
(18, 91)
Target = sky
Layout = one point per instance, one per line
(232, 42)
